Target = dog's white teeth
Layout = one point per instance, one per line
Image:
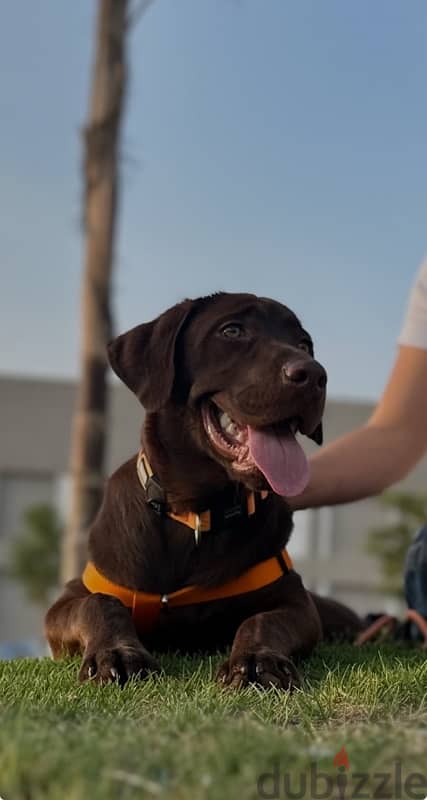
(224, 420)
(232, 429)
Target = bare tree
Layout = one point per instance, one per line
(101, 174)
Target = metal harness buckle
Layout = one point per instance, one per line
(197, 529)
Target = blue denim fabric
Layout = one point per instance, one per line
(415, 577)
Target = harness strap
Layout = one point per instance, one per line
(146, 607)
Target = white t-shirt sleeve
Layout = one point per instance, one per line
(414, 331)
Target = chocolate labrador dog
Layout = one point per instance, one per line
(188, 549)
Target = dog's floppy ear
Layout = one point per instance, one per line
(143, 358)
(317, 434)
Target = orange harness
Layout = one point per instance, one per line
(146, 607)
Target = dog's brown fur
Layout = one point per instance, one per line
(173, 364)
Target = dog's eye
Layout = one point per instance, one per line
(304, 346)
(232, 331)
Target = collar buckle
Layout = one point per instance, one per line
(156, 496)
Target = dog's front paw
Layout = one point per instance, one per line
(265, 668)
(107, 664)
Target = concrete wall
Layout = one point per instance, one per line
(35, 425)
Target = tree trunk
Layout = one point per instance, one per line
(101, 141)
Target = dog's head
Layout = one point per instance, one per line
(242, 368)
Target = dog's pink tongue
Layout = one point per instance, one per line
(280, 458)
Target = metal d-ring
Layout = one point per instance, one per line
(198, 529)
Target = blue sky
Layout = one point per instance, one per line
(273, 146)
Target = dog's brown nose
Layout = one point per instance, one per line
(305, 374)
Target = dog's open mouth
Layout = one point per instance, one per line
(273, 449)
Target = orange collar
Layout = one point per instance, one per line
(199, 523)
(147, 608)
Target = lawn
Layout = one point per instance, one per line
(181, 736)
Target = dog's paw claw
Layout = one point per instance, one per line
(117, 665)
(265, 669)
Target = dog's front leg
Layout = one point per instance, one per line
(265, 645)
(100, 628)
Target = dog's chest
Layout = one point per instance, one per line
(173, 557)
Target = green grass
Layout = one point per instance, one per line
(181, 736)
